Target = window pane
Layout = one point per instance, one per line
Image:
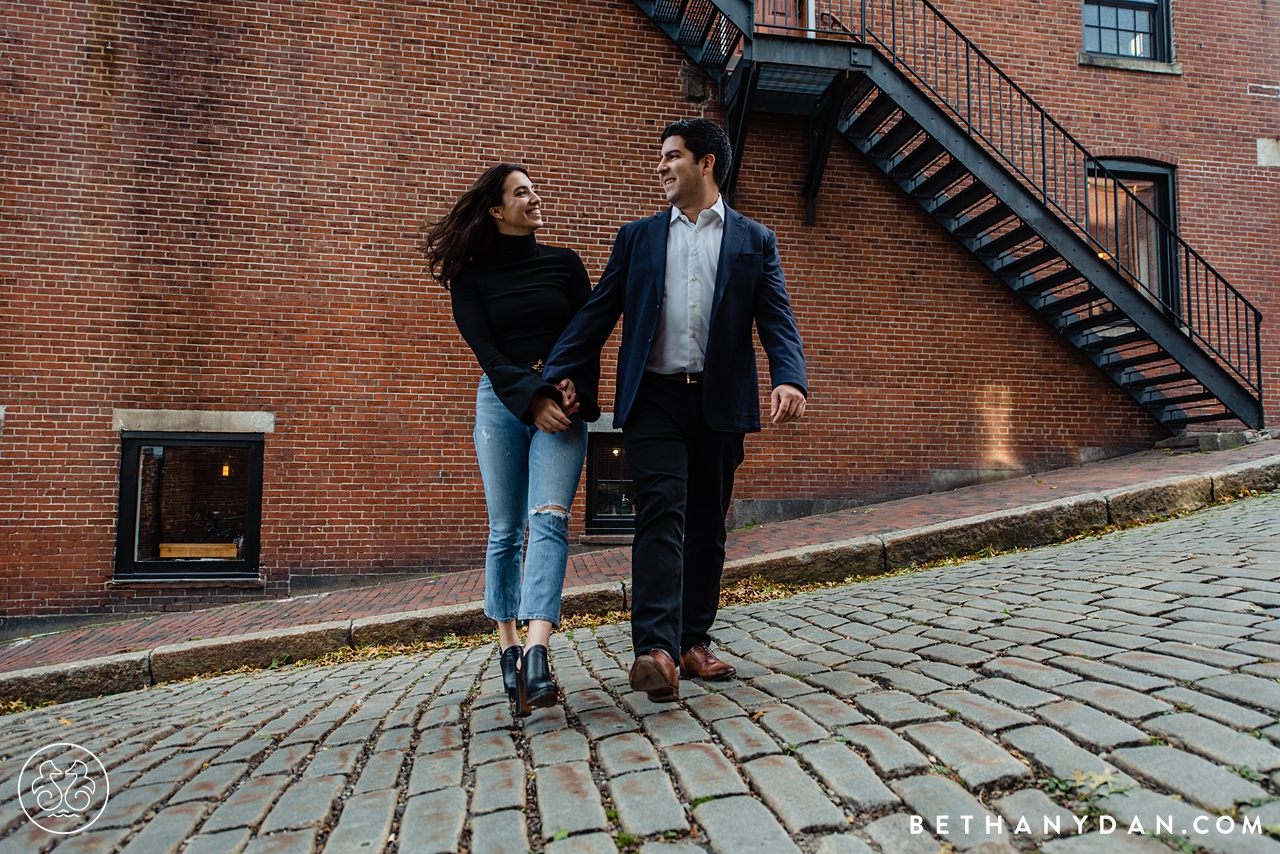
(1109, 16)
(614, 495)
(1109, 43)
(1126, 19)
(1127, 46)
(1143, 21)
(193, 503)
(1092, 40)
(1090, 15)
(1141, 46)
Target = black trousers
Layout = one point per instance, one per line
(683, 475)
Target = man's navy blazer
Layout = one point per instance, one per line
(749, 287)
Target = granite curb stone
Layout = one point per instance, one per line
(182, 660)
(60, 683)
(1144, 501)
(1021, 527)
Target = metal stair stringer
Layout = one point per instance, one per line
(1127, 305)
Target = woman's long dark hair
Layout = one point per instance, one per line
(467, 231)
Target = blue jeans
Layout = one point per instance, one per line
(529, 477)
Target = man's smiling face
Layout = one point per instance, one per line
(684, 178)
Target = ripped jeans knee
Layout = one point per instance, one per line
(551, 509)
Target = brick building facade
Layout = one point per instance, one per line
(215, 207)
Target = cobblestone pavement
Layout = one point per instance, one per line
(615, 564)
(1134, 677)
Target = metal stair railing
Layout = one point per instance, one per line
(918, 38)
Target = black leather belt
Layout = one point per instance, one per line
(679, 377)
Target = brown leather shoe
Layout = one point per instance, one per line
(700, 661)
(654, 672)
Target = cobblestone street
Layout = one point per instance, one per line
(1110, 683)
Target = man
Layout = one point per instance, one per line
(688, 282)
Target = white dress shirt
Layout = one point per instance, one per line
(693, 257)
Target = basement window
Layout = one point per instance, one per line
(611, 496)
(190, 506)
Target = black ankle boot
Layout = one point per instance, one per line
(511, 679)
(540, 689)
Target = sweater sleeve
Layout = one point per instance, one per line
(588, 380)
(515, 385)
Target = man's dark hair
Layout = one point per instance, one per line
(703, 137)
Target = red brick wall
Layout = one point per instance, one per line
(215, 206)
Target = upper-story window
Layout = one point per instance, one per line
(1136, 29)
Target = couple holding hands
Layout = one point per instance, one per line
(689, 283)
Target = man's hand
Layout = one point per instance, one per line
(786, 404)
(568, 396)
(547, 415)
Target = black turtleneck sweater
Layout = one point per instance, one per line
(511, 306)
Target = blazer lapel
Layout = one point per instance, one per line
(658, 228)
(735, 231)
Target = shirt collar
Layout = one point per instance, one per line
(717, 208)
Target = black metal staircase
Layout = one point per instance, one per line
(925, 105)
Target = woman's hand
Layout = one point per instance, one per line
(568, 396)
(547, 414)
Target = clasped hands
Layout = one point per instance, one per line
(551, 415)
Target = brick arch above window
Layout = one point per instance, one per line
(1150, 155)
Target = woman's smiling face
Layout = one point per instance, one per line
(521, 210)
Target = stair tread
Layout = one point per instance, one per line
(861, 88)
(1000, 245)
(1155, 381)
(942, 179)
(962, 201)
(1093, 321)
(1064, 304)
(1018, 266)
(1200, 419)
(1134, 361)
(918, 160)
(895, 140)
(1186, 398)
(1117, 341)
(872, 117)
(1048, 283)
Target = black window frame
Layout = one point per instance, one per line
(602, 525)
(1161, 28)
(1166, 190)
(127, 568)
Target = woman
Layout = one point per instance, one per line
(512, 297)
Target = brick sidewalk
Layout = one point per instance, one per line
(615, 564)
